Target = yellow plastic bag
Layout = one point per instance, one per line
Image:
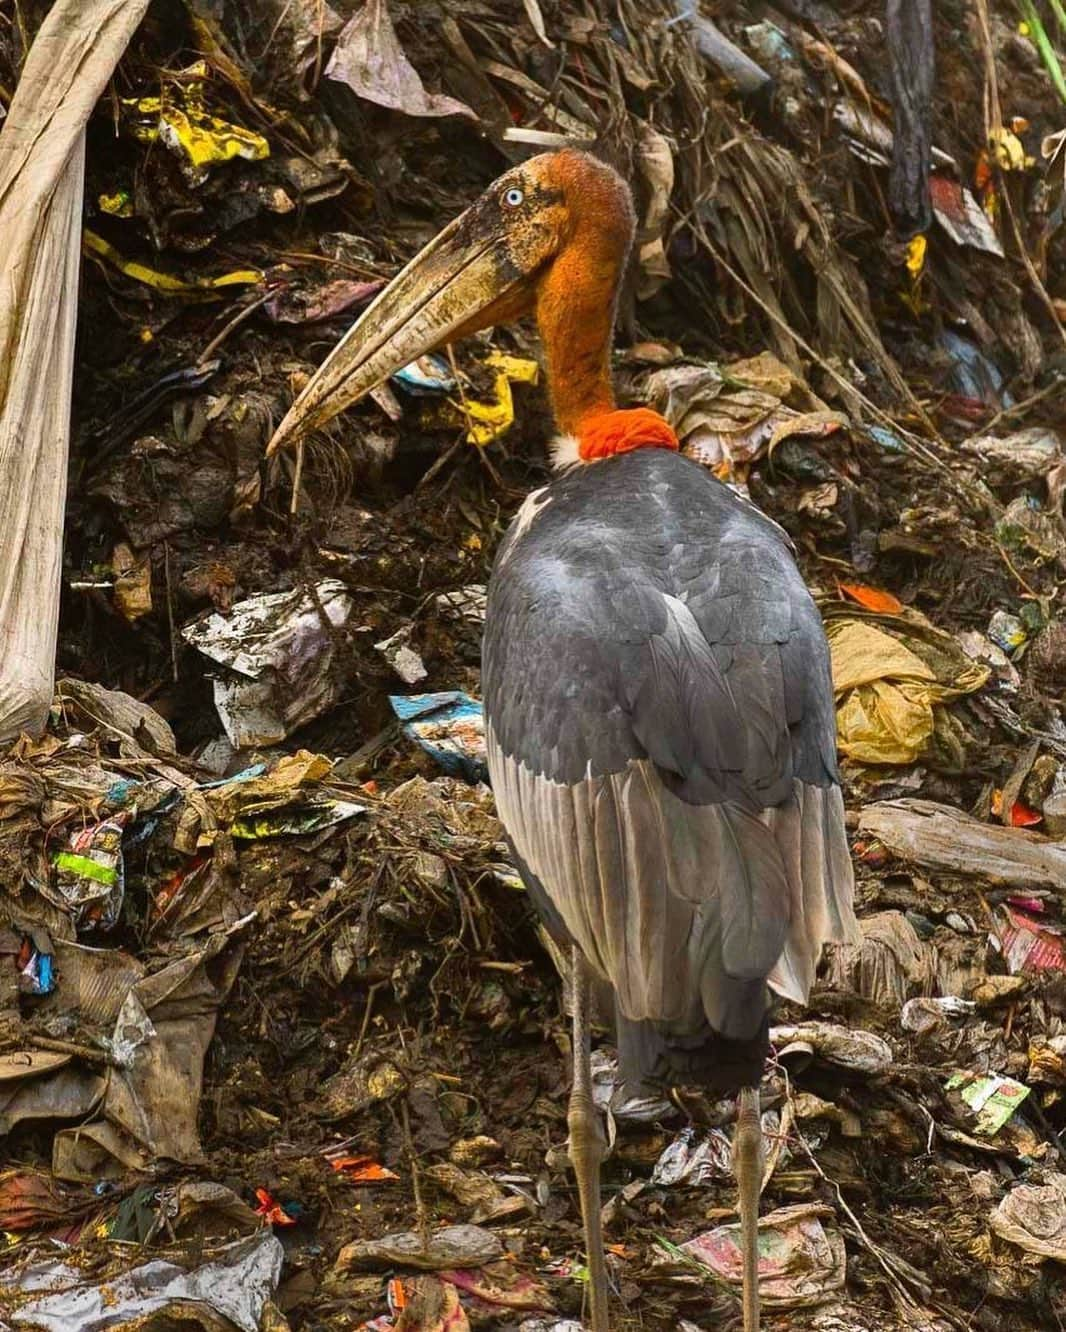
(179, 119)
(891, 686)
(487, 419)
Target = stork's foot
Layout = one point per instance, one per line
(748, 1167)
(587, 1147)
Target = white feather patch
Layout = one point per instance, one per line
(565, 451)
(532, 505)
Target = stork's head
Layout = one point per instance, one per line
(549, 237)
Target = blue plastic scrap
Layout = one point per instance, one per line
(38, 973)
(972, 374)
(429, 374)
(449, 726)
(887, 439)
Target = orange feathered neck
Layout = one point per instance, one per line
(602, 434)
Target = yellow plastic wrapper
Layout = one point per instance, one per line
(488, 419)
(178, 118)
(133, 582)
(890, 687)
(96, 245)
(1009, 150)
(119, 204)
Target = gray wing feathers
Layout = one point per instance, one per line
(753, 905)
(686, 909)
(680, 702)
(810, 834)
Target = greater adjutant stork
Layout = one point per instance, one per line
(659, 712)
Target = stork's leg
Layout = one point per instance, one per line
(748, 1167)
(586, 1143)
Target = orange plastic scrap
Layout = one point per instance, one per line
(362, 1169)
(1021, 816)
(271, 1210)
(872, 598)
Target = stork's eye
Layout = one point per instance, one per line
(514, 197)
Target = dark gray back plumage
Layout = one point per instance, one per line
(587, 665)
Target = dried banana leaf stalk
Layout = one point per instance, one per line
(42, 152)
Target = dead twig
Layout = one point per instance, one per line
(365, 1027)
(86, 1052)
(416, 1181)
(170, 613)
(897, 1276)
(1020, 408)
(245, 312)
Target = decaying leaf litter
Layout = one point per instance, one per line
(280, 1038)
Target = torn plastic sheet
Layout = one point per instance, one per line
(39, 1084)
(369, 59)
(973, 375)
(296, 822)
(157, 1048)
(152, 277)
(428, 374)
(33, 1200)
(404, 660)
(233, 1284)
(179, 119)
(890, 964)
(991, 1097)
(961, 216)
(1034, 1217)
(861, 1051)
(892, 674)
(871, 140)
(1031, 452)
(464, 603)
(278, 651)
(726, 417)
(487, 418)
(452, 1246)
(1028, 943)
(132, 1028)
(89, 881)
(36, 969)
(802, 1261)
(925, 1015)
(694, 1158)
(290, 304)
(450, 726)
(608, 1094)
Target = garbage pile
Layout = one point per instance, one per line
(282, 1042)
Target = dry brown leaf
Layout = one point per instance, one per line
(368, 58)
(537, 20)
(656, 165)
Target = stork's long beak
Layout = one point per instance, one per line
(463, 280)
